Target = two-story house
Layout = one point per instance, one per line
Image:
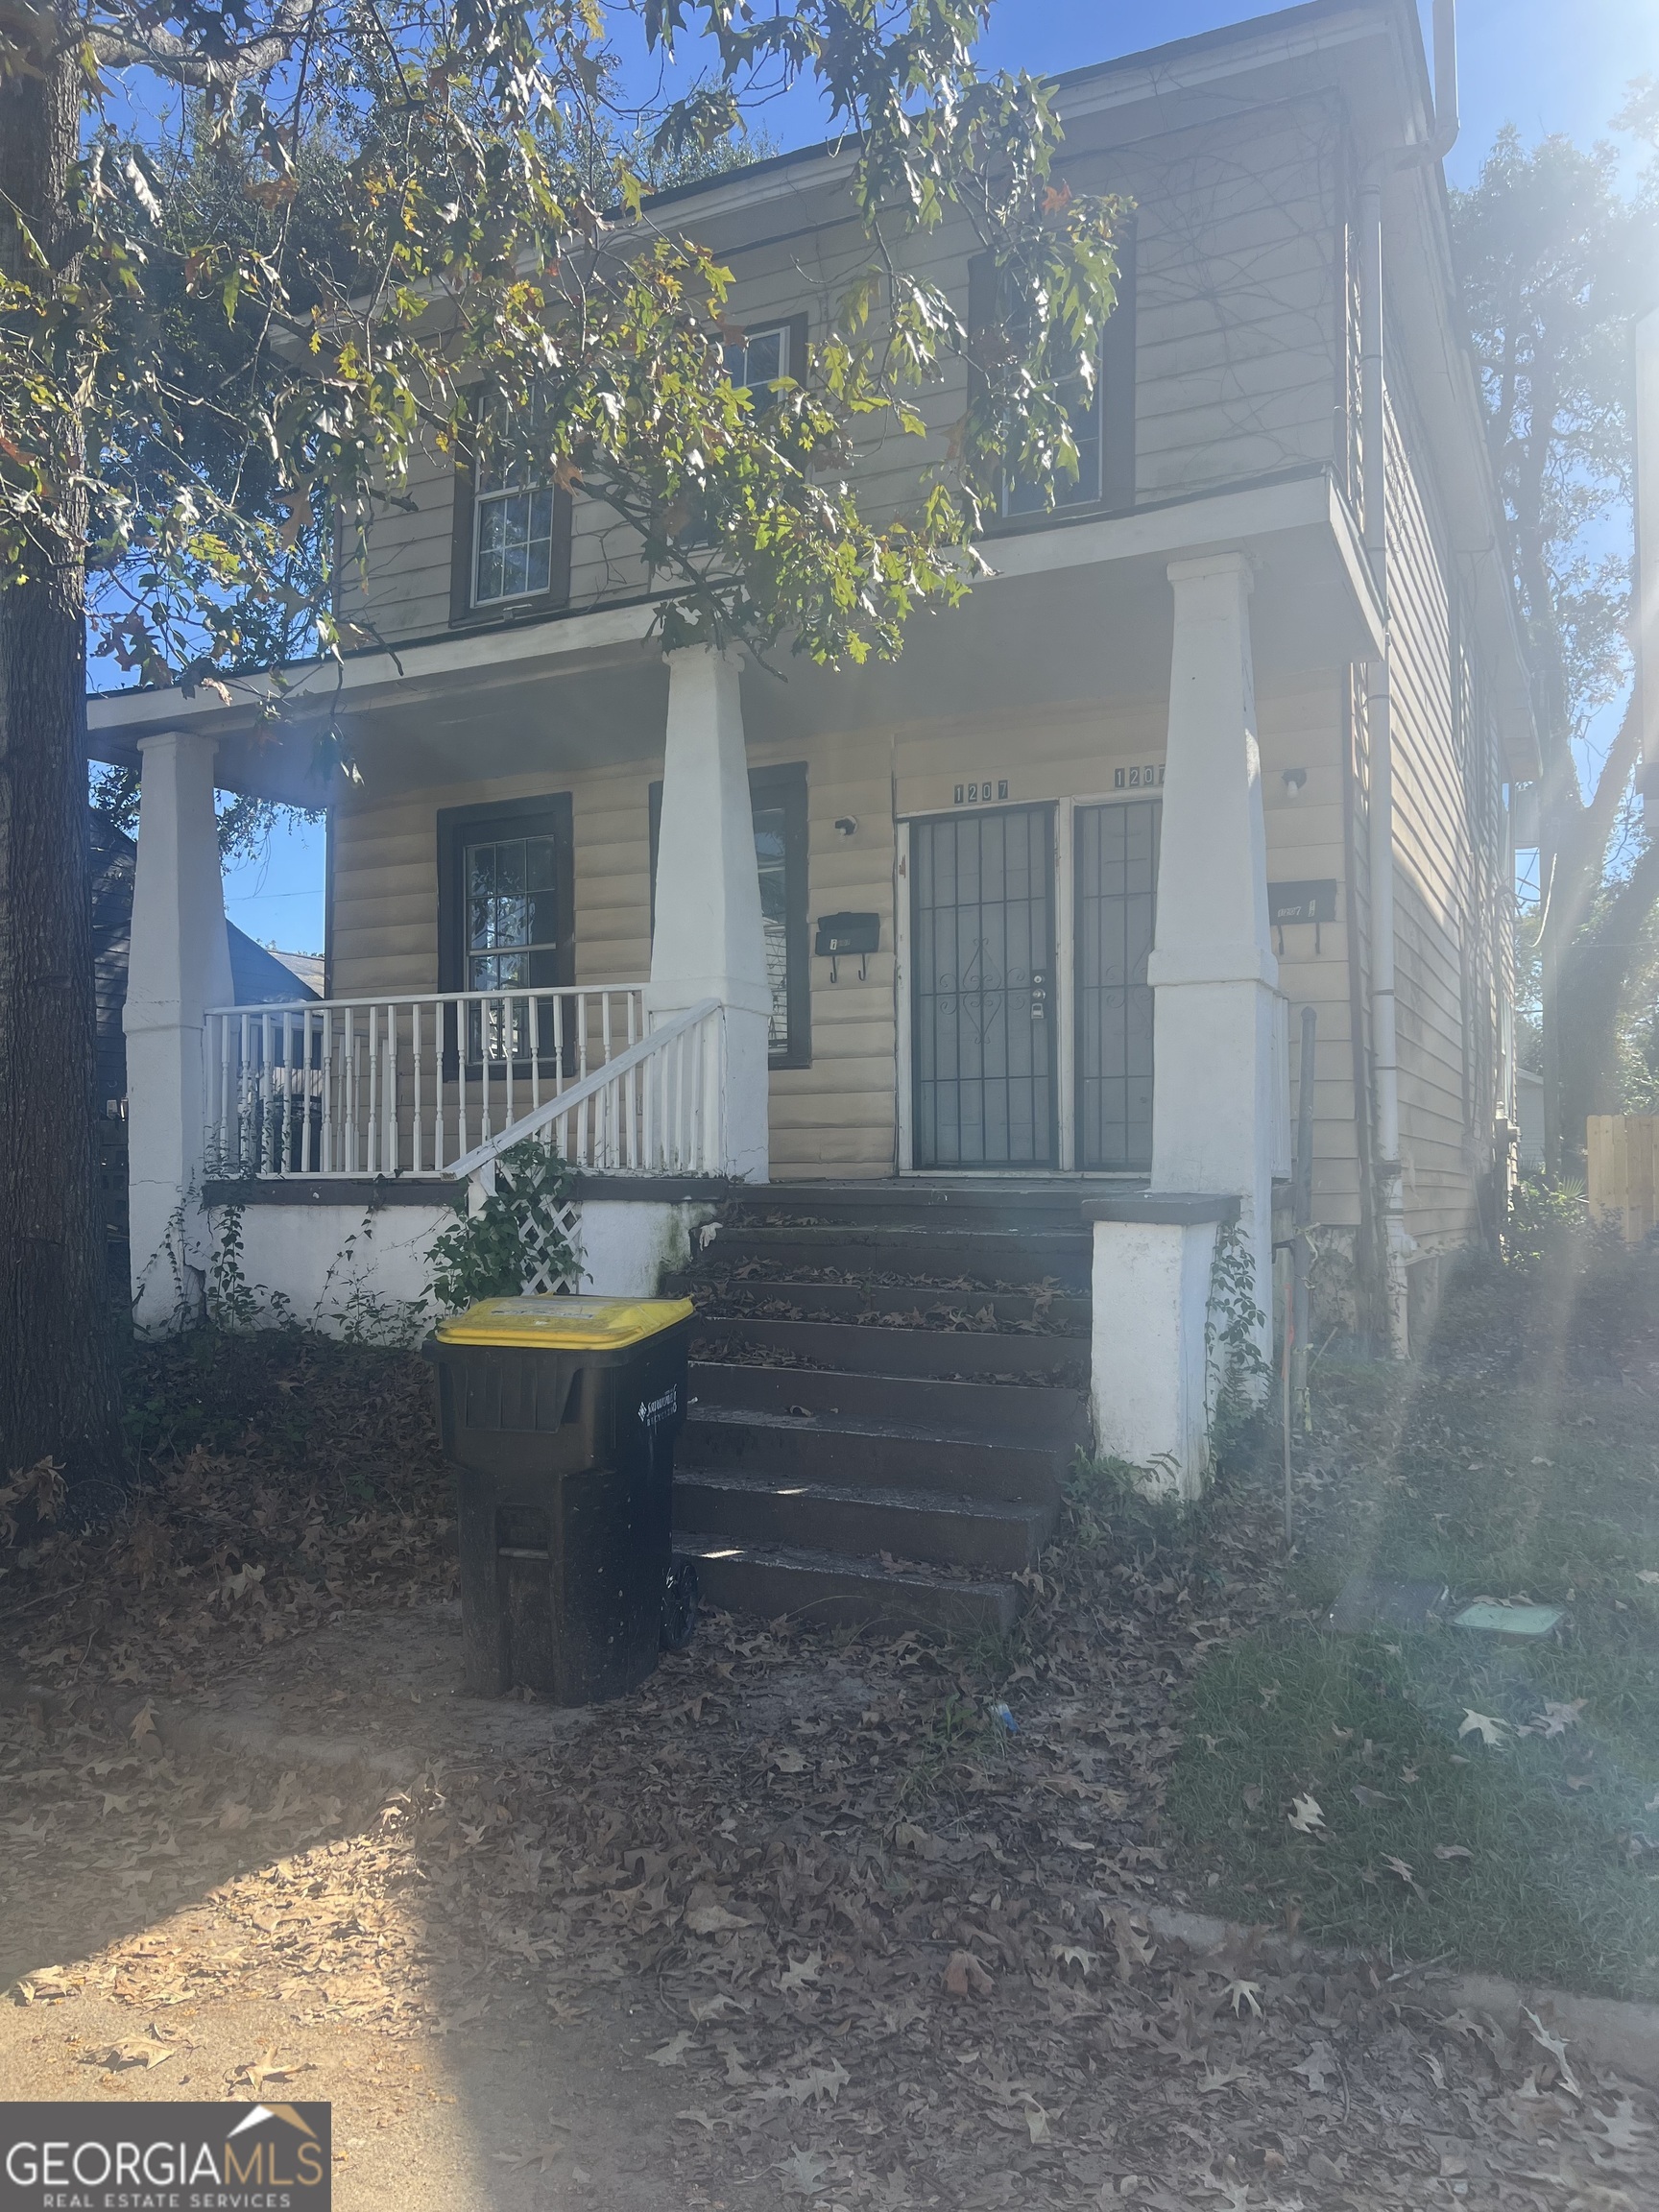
(1006, 937)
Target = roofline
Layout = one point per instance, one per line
(1251, 29)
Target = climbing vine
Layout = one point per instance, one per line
(485, 1256)
(1232, 1327)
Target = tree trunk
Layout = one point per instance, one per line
(59, 1389)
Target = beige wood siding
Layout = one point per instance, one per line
(1442, 1069)
(1239, 276)
(841, 1115)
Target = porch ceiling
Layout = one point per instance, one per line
(1074, 611)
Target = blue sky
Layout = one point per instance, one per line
(1546, 65)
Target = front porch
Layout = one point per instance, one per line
(843, 957)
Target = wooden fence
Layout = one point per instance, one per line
(1623, 1157)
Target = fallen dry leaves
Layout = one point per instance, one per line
(886, 1953)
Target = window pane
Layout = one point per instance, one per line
(759, 359)
(515, 545)
(513, 944)
(1023, 498)
(766, 358)
(542, 923)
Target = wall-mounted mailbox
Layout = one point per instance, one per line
(1291, 903)
(848, 936)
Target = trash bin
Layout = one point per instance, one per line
(560, 1415)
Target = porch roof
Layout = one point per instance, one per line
(1073, 611)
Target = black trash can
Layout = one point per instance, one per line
(560, 1415)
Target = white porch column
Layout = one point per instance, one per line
(1647, 557)
(708, 942)
(1214, 1098)
(178, 966)
(1212, 968)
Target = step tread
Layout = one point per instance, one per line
(1015, 1397)
(879, 1233)
(1067, 1320)
(913, 1575)
(929, 1502)
(871, 1340)
(838, 1424)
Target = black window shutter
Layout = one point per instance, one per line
(461, 541)
(796, 326)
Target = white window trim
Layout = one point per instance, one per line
(483, 499)
(767, 330)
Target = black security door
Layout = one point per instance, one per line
(1116, 897)
(982, 959)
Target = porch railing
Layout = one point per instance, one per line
(657, 1109)
(401, 1086)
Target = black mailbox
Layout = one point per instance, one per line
(848, 935)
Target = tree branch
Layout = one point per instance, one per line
(219, 70)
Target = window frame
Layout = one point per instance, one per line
(1115, 390)
(498, 495)
(465, 607)
(794, 329)
(786, 784)
(457, 827)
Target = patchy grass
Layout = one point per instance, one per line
(1511, 1463)
(1525, 1855)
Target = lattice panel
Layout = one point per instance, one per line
(540, 1274)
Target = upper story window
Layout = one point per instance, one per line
(770, 351)
(511, 536)
(1102, 421)
(760, 357)
(1084, 411)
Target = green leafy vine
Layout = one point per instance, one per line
(1232, 1327)
(483, 1256)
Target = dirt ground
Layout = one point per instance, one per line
(786, 1928)
(801, 1924)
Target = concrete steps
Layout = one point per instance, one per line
(862, 1457)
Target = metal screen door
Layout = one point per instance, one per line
(1116, 865)
(982, 962)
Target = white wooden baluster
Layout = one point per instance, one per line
(415, 1130)
(349, 1090)
(225, 1103)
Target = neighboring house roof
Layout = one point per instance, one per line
(307, 966)
(259, 979)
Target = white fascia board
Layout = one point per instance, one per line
(1157, 79)
(1186, 526)
(1093, 91)
(605, 632)
(623, 633)
(1648, 533)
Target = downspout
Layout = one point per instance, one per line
(1398, 1244)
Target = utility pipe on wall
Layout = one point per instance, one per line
(1398, 1244)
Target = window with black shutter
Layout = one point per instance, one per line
(510, 553)
(1102, 421)
(778, 802)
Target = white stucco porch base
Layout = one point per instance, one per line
(364, 1269)
(1152, 1386)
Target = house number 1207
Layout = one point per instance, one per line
(981, 793)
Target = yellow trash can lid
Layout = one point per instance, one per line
(555, 1323)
